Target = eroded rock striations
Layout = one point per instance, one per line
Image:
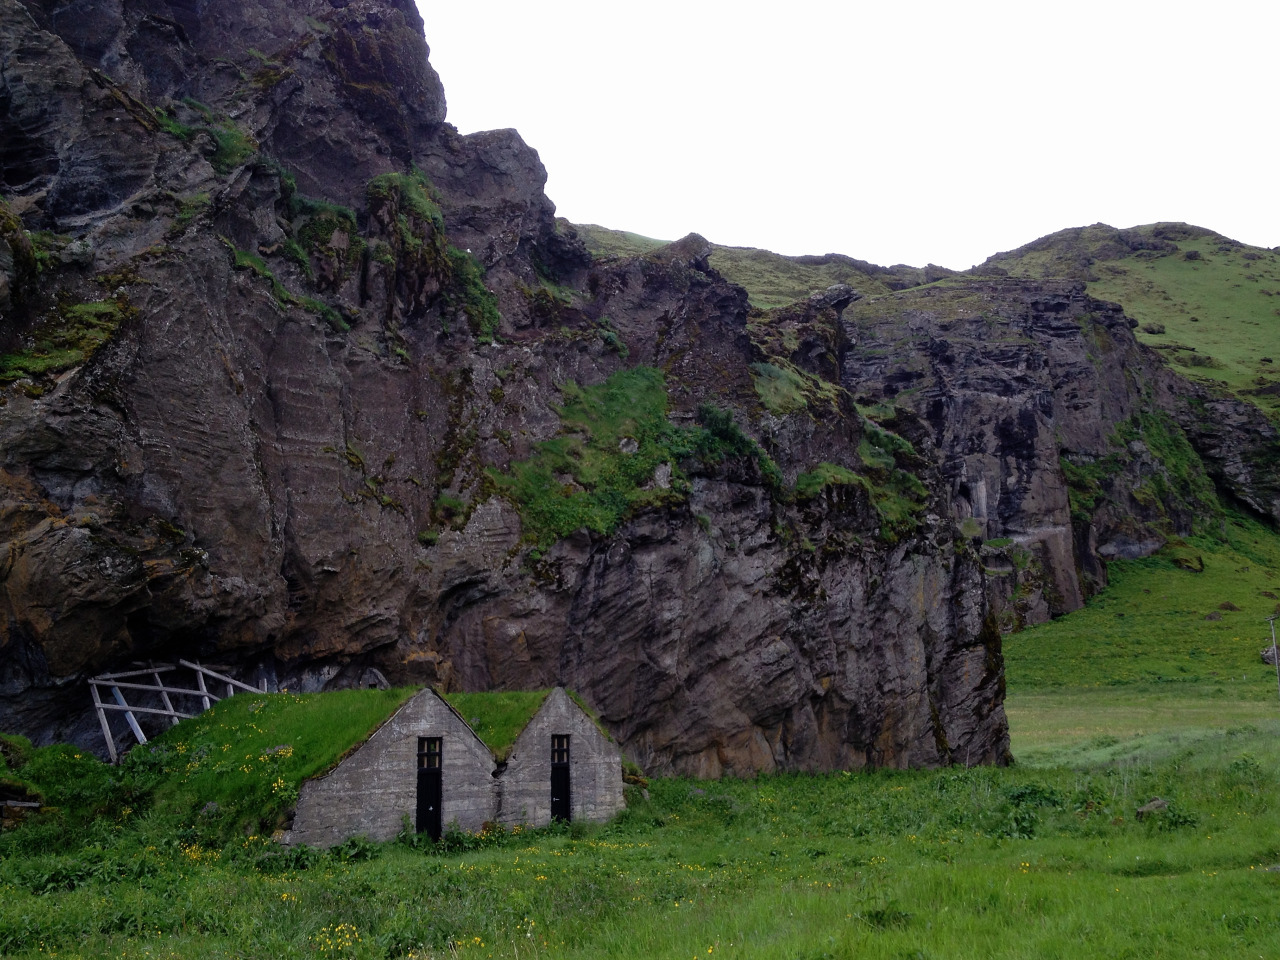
(297, 378)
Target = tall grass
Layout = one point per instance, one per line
(1002, 863)
(1047, 858)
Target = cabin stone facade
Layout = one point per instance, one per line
(373, 790)
(381, 783)
(594, 767)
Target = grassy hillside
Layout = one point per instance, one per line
(1032, 861)
(771, 279)
(1161, 623)
(1136, 696)
(1162, 660)
(1210, 304)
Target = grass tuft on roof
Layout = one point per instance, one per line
(498, 717)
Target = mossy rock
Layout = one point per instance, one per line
(1183, 556)
(15, 791)
(18, 266)
(15, 751)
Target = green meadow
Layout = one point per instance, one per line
(1210, 305)
(1137, 696)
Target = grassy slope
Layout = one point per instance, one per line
(250, 753)
(771, 279)
(1221, 312)
(992, 863)
(1223, 307)
(1150, 626)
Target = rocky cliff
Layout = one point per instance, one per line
(298, 379)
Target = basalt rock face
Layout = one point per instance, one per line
(275, 339)
(288, 331)
(1063, 442)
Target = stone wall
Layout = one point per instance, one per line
(595, 777)
(373, 790)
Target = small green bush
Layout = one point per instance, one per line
(476, 300)
(234, 147)
(411, 192)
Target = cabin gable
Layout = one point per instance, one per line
(374, 790)
(594, 767)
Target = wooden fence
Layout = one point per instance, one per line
(147, 683)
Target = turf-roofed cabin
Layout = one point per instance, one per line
(462, 761)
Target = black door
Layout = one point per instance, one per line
(430, 786)
(561, 800)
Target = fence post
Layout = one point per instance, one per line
(128, 715)
(204, 692)
(102, 719)
(168, 704)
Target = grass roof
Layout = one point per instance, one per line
(499, 717)
(239, 766)
(250, 753)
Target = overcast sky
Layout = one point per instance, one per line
(895, 132)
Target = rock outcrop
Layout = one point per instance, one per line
(1064, 442)
(298, 379)
(289, 327)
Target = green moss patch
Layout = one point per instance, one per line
(233, 147)
(1180, 483)
(65, 340)
(783, 388)
(896, 493)
(599, 471)
(245, 260)
(602, 469)
(411, 192)
(810, 484)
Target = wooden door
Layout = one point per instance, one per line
(430, 785)
(561, 798)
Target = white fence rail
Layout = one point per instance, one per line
(207, 681)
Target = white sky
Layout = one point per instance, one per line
(896, 132)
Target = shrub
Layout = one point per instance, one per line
(809, 485)
(723, 438)
(476, 300)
